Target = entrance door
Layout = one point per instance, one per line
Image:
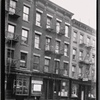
(82, 93)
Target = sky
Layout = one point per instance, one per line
(84, 10)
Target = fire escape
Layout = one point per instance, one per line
(11, 39)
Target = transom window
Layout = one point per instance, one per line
(66, 30)
(65, 49)
(24, 36)
(74, 54)
(81, 38)
(26, 13)
(57, 50)
(58, 25)
(49, 22)
(38, 18)
(75, 36)
(12, 6)
(23, 59)
(37, 41)
(47, 64)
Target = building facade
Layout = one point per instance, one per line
(83, 60)
(38, 39)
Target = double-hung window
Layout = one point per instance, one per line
(26, 13)
(46, 65)
(73, 70)
(65, 49)
(11, 31)
(38, 18)
(75, 36)
(80, 55)
(23, 59)
(37, 41)
(66, 30)
(80, 71)
(57, 65)
(48, 22)
(74, 54)
(66, 69)
(57, 49)
(81, 38)
(48, 43)
(12, 6)
(24, 37)
(36, 62)
(58, 26)
(88, 41)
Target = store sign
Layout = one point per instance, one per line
(37, 82)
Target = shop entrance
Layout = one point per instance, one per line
(82, 93)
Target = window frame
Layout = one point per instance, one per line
(73, 71)
(75, 36)
(26, 14)
(81, 39)
(57, 66)
(48, 43)
(23, 41)
(46, 66)
(74, 58)
(67, 68)
(57, 46)
(58, 27)
(37, 44)
(66, 50)
(67, 34)
(50, 23)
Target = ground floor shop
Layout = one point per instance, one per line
(45, 87)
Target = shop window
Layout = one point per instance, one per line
(65, 89)
(21, 85)
(36, 86)
(74, 92)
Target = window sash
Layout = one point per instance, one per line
(66, 30)
(65, 49)
(25, 13)
(58, 25)
(37, 41)
(12, 6)
(11, 28)
(38, 18)
(57, 47)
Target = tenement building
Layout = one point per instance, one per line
(83, 61)
(38, 53)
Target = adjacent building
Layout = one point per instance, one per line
(39, 51)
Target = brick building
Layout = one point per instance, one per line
(37, 51)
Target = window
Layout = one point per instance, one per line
(64, 88)
(58, 25)
(87, 72)
(36, 86)
(57, 66)
(81, 38)
(49, 22)
(93, 42)
(81, 55)
(66, 30)
(74, 54)
(24, 36)
(57, 50)
(74, 90)
(11, 31)
(38, 18)
(47, 64)
(66, 69)
(88, 41)
(37, 41)
(65, 49)
(10, 53)
(12, 6)
(48, 43)
(26, 13)
(23, 60)
(21, 85)
(75, 36)
(73, 70)
(80, 71)
(36, 62)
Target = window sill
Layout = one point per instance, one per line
(74, 59)
(24, 44)
(66, 56)
(67, 37)
(26, 21)
(38, 26)
(38, 48)
(75, 41)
